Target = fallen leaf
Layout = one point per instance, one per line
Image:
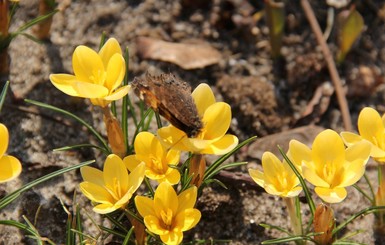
(186, 55)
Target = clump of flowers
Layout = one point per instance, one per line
(10, 166)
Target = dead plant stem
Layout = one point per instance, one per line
(347, 121)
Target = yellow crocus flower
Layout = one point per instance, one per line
(113, 187)
(169, 214)
(10, 167)
(278, 178)
(212, 138)
(157, 158)
(97, 75)
(371, 128)
(329, 166)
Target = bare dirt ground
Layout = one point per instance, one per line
(266, 97)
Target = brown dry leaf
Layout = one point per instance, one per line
(186, 55)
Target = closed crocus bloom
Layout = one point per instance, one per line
(371, 127)
(10, 166)
(157, 158)
(277, 177)
(212, 138)
(329, 166)
(113, 187)
(169, 214)
(97, 75)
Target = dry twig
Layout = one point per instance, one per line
(330, 63)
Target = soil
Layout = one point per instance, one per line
(269, 98)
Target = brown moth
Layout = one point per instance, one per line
(172, 99)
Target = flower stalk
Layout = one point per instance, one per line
(4, 25)
(295, 218)
(380, 201)
(42, 30)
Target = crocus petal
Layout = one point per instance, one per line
(145, 206)
(65, 83)
(116, 69)
(131, 162)
(221, 146)
(118, 94)
(105, 208)
(335, 195)
(311, 176)
(216, 119)
(172, 177)
(370, 126)
(299, 153)
(165, 197)
(115, 175)
(328, 147)
(96, 192)
(172, 238)
(258, 177)
(187, 199)
(136, 177)
(170, 136)
(145, 142)
(203, 97)
(93, 175)
(358, 152)
(10, 168)
(88, 66)
(187, 219)
(4, 136)
(294, 192)
(110, 48)
(271, 167)
(90, 90)
(350, 138)
(173, 157)
(152, 223)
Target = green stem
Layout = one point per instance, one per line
(295, 218)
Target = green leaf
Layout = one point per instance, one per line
(74, 147)
(212, 168)
(351, 28)
(3, 94)
(301, 180)
(23, 227)
(73, 116)
(12, 196)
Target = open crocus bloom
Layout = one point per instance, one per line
(157, 158)
(278, 178)
(10, 166)
(97, 75)
(169, 214)
(371, 128)
(329, 166)
(212, 138)
(112, 188)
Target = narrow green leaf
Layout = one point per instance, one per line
(73, 147)
(301, 180)
(79, 226)
(363, 212)
(73, 116)
(128, 236)
(222, 167)
(12, 196)
(3, 94)
(34, 22)
(124, 105)
(218, 162)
